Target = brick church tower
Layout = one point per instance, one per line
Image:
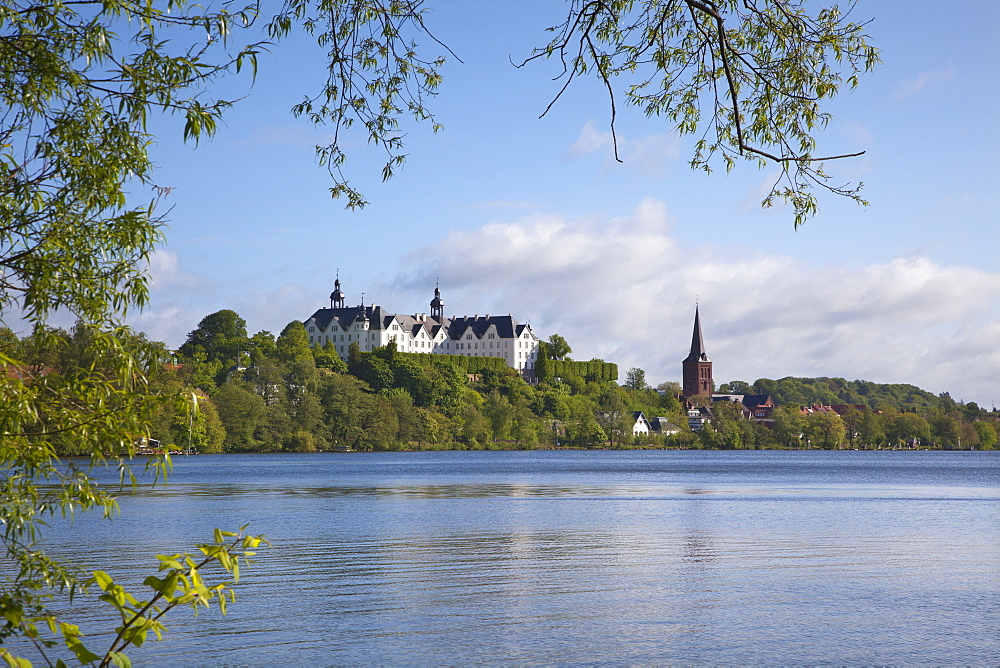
(697, 366)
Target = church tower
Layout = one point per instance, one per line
(697, 366)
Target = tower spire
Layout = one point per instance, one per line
(337, 296)
(697, 343)
(437, 305)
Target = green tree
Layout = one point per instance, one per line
(727, 425)
(500, 414)
(946, 431)
(242, 411)
(635, 379)
(614, 417)
(222, 336)
(748, 77)
(736, 387)
(987, 433)
(871, 430)
(905, 426)
(326, 357)
(789, 426)
(475, 428)
(557, 348)
(852, 418)
(261, 346)
(826, 430)
(295, 354)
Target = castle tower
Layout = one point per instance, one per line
(437, 305)
(697, 367)
(336, 297)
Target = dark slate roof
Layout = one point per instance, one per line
(376, 315)
(506, 326)
(748, 400)
(755, 400)
(661, 424)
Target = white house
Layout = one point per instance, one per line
(372, 326)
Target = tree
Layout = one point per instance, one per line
(669, 388)
(987, 433)
(326, 357)
(748, 77)
(635, 379)
(615, 418)
(826, 430)
(736, 387)
(241, 411)
(500, 415)
(727, 425)
(557, 348)
(221, 336)
(905, 426)
(789, 426)
(295, 354)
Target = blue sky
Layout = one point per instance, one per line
(532, 217)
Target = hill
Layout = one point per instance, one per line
(805, 391)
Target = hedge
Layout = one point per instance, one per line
(547, 370)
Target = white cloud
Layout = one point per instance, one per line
(165, 271)
(590, 140)
(648, 154)
(624, 290)
(908, 87)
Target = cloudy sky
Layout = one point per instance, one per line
(531, 216)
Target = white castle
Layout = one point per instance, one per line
(372, 326)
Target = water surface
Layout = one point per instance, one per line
(579, 557)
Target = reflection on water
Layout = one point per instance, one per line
(629, 557)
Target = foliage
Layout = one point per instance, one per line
(375, 76)
(222, 336)
(557, 348)
(594, 371)
(748, 78)
(180, 583)
(806, 391)
(635, 379)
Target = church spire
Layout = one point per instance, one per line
(697, 343)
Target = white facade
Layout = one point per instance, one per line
(372, 326)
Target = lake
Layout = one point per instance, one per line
(542, 557)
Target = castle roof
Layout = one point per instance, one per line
(378, 318)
